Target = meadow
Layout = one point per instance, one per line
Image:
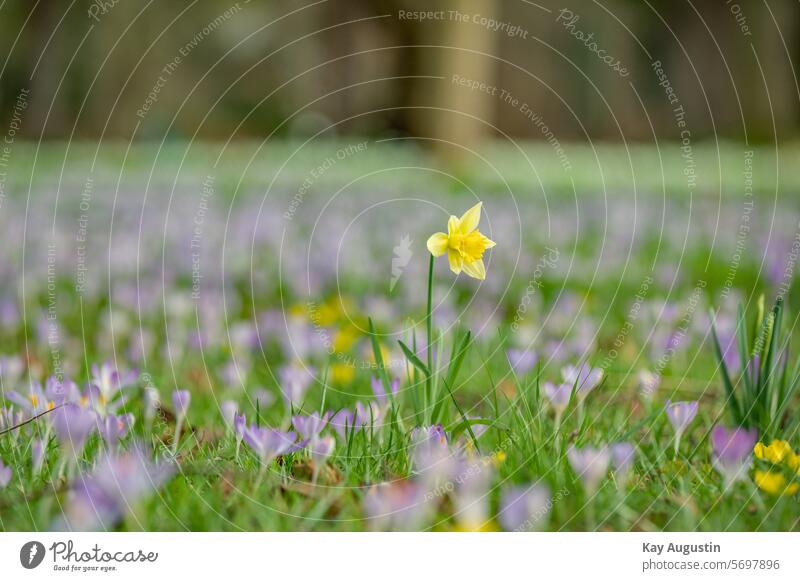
(193, 339)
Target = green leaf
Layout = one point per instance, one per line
(413, 359)
(732, 400)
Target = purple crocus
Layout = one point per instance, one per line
(524, 508)
(5, 474)
(181, 399)
(431, 456)
(38, 450)
(365, 416)
(112, 428)
(239, 427)
(585, 379)
(118, 482)
(380, 392)
(73, 425)
(558, 396)
(342, 422)
(623, 455)
(106, 383)
(680, 415)
(590, 464)
(521, 360)
(310, 426)
(268, 443)
(732, 451)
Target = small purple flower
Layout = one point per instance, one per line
(431, 456)
(680, 415)
(524, 508)
(98, 501)
(732, 450)
(268, 443)
(558, 396)
(181, 399)
(5, 474)
(73, 425)
(591, 465)
(584, 378)
(623, 455)
(380, 392)
(521, 360)
(106, 383)
(38, 450)
(322, 448)
(112, 428)
(343, 422)
(367, 416)
(239, 425)
(310, 426)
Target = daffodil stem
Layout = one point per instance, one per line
(429, 323)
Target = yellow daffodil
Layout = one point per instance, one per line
(774, 483)
(463, 243)
(776, 452)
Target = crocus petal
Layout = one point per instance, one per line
(475, 269)
(469, 221)
(456, 262)
(437, 244)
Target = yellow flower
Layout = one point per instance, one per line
(774, 483)
(776, 452)
(342, 373)
(793, 462)
(463, 243)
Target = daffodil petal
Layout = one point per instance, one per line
(489, 243)
(469, 221)
(453, 226)
(437, 244)
(475, 269)
(456, 262)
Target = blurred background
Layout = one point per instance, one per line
(218, 70)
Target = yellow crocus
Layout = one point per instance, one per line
(463, 243)
(776, 452)
(774, 483)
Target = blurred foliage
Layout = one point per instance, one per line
(256, 67)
